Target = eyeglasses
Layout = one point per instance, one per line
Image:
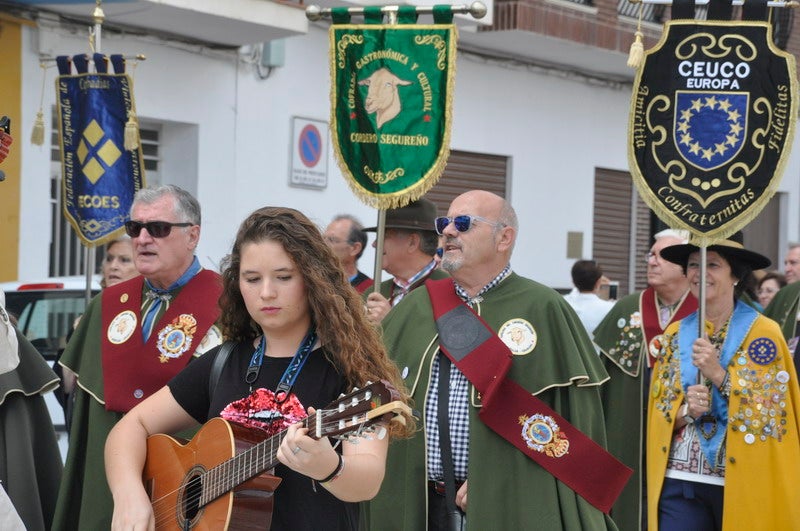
(462, 223)
(335, 241)
(651, 255)
(156, 229)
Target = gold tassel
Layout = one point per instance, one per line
(131, 132)
(637, 52)
(37, 134)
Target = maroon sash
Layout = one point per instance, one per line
(515, 414)
(364, 285)
(651, 322)
(132, 369)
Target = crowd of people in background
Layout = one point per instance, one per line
(533, 410)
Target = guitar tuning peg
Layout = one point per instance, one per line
(380, 433)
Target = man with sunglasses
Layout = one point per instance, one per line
(497, 363)
(346, 237)
(133, 338)
(629, 338)
(409, 247)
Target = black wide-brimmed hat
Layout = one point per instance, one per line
(731, 248)
(417, 215)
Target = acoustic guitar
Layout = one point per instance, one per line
(219, 480)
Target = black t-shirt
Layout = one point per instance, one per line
(297, 505)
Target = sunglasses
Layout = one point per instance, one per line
(156, 229)
(462, 223)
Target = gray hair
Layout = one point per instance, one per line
(508, 217)
(680, 234)
(186, 206)
(356, 234)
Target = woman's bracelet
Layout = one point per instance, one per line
(337, 471)
(725, 386)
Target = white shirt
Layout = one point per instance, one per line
(590, 308)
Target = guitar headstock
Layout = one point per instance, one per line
(358, 412)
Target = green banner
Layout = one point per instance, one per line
(391, 108)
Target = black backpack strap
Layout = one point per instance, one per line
(219, 363)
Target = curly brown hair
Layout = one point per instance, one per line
(337, 311)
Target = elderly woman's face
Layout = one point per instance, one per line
(719, 279)
(767, 290)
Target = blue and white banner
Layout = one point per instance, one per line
(100, 175)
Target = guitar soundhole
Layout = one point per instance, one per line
(189, 508)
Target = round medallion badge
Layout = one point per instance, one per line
(762, 350)
(121, 327)
(518, 335)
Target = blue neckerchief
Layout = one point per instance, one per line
(291, 372)
(741, 321)
(158, 296)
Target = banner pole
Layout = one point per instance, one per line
(476, 9)
(771, 3)
(376, 276)
(89, 250)
(701, 301)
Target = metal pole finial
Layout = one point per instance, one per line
(97, 15)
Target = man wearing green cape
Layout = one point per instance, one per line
(497, 486)
(624, 337)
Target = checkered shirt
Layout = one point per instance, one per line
(458, 408)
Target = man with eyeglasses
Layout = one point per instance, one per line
(346, 237)
(785, 305)
(496, 363)
(132, 339)
(629, 338)
(409, 247)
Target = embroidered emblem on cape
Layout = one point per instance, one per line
(519, 336)
(121, 327)
(176, 338)
(123, 298)
(762, 351)
(541, 433)
(212, 338)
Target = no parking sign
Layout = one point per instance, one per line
(309, 153)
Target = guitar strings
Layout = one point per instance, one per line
(219, 477)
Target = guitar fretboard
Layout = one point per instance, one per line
(224, 477)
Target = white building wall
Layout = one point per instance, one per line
(227, 137)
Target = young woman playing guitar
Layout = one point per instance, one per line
(301, 340)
